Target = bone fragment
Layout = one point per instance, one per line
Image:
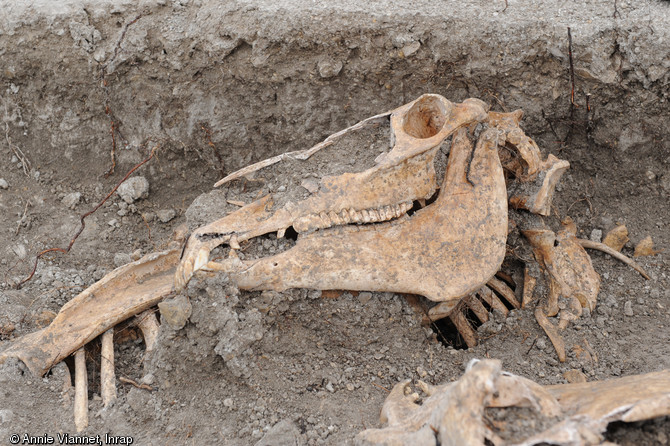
(80, 391)
(616, 254)
(566, 265)
(149, 325)
(301, 154)
(505, 291)
(107, 377)
(477, 308)
(442, 310)
(645, 248)
(577, 414)
(492, 300)
(464, 328)
(617, 238)
(528, 287)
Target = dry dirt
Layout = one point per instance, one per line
(301, 367)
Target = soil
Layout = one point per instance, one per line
(302, 366)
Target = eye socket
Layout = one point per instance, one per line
(425, 118)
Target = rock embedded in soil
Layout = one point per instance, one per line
(166, 215)
(71, 200)
(175, 312)
(134, 189)
(3, 184)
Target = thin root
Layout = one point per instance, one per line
(616, 254)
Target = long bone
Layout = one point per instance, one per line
(405, 174)
(443, 252)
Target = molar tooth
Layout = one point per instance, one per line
(388, 213)
(345, 217)
(365, 216)
(355, 215)
(383, 213)
(397, 211)
(335, 218)
(374, 215)
(326, 220)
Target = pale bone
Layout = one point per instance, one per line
(149, 326)
(408, 255)
(453, 413)
(121, 294)
(107, 377)
(80, 391)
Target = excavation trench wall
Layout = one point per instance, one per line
(227, 83)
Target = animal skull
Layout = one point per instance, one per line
(354, 231)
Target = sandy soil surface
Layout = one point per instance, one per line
(302, 367)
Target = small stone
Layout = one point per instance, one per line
(121, 258)
(330, 388)
(133, 189)
(71, 200)
(228, 402)
(113, 222)
(310, 184)
(364, 297)
(175, 312)
(3, 184)
(329, 68)
(596, 235)
(148, 379)
(350, 387)
(6, 416)
(410, 49)
(166, 215)
(628, 308)
(541, 344)
(574, 376)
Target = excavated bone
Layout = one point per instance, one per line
(403, 175)
(123, 293)
(569, 273)
(537, 181)
(454, 413)
(444, 251)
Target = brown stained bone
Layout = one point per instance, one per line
(121, 294)
(577, 413)
(569, 274)
(404, 174)
(537, 179)
(443, 252)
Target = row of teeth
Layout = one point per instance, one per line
(325, 220)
